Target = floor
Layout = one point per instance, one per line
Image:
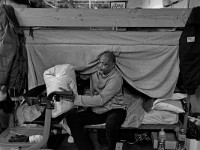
(123, 145)
(147, 146)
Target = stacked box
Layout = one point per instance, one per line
(192, 144)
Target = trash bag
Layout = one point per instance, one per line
(193, 127)
(59, 78)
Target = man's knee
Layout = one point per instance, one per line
(112, 124)
(71, 119)
(115, 119)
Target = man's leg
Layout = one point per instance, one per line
(76, 123)
(114, 121)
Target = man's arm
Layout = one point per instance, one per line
(110, 90)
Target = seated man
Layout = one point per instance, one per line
(106, 105)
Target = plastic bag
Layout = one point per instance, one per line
(26, 113)
(58, 78)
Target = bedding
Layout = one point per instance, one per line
(169, 105)
(135, 111)
(160, 117)
(172, 104)
(163, 111)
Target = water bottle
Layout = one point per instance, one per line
(161, 139)
(181, 140)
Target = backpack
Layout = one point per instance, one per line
(13, 56)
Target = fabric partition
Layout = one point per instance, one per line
(148, 61)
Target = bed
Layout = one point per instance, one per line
(147, 59)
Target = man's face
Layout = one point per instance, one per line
(105, 65)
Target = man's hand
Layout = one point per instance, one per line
(71, 97)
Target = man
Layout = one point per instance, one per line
(106, 102)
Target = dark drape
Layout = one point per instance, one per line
(189, 52)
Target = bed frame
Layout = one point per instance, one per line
(170, 127)
(126, 19)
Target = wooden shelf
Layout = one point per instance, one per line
(49, 17)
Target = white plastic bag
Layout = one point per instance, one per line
(61, 76)
(28, 113)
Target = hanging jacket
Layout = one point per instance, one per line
(189, 52)
(13, 58)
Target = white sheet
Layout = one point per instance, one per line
(148, 61)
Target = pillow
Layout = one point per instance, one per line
(169, 105)
(175, 96)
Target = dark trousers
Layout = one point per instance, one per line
(113, 119)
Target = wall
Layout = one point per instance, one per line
(145, 3)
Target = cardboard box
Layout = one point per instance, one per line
(170, 142)
(192, 144)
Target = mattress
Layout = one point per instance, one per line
(160, 117)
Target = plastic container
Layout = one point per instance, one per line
(181, 140)
(162, 135)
